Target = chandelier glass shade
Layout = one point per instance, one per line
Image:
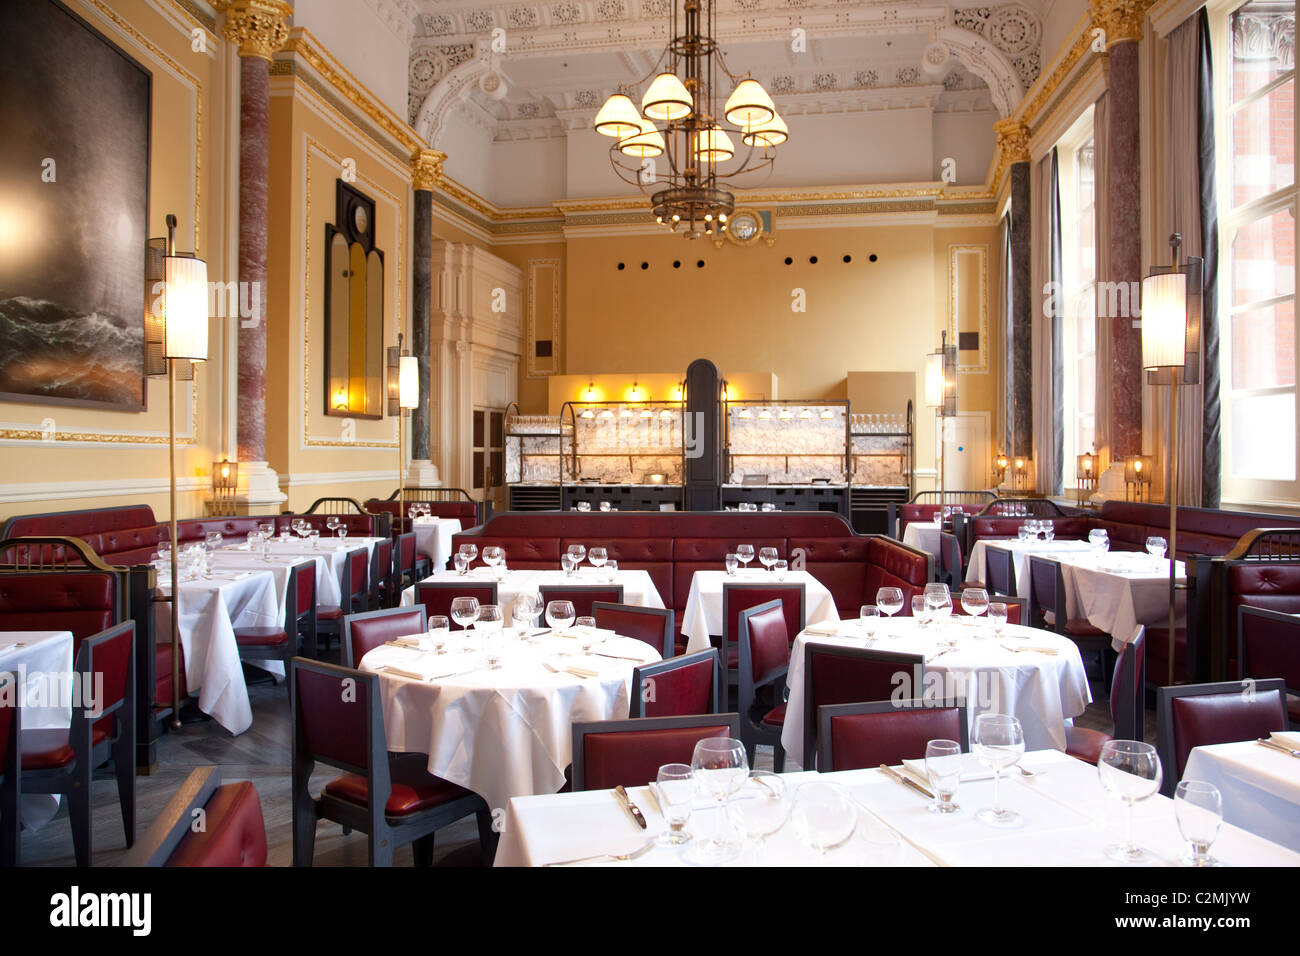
(675, 151)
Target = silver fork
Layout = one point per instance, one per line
(635, 854)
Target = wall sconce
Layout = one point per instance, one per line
(1020, 478)
(1000, 465)
(225, 480)
(636, 393)
(1137, 477)
(1085, 470)
(678, 391)
(589, 393)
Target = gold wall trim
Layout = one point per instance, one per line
(328, 94)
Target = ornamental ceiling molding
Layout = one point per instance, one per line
(399, 16)
(988, 63)
(1120, 19)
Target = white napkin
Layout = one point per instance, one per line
(1036, 648)
(971, 769)
(1289, 740)
(823, 630)
(600, 633)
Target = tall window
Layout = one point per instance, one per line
(1075, 154)
(1258, 242)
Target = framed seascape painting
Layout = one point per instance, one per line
(74, 211)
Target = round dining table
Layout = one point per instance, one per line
(503, 732)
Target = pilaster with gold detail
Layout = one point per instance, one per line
(260, 27)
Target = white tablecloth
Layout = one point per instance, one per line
(1260, 787)
(328, 554)
(923, 535)
(1039, 689)
(41, 664)
(703, 613)
(638, 587)
(433, 538)
(1020, 552)
(1118, 591)
(502, 733)
(210, 610)
(1069, 820)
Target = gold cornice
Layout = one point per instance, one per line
(1120, 19)
(1012, 145)
(192, 11)
(260, 27)
(426, 168)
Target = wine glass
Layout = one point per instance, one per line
(464, 611)
(611, 571)
(1199, 809)
(439, 631)
(731, 562)
(1099, 539)
(760, 808)
(1130, 769)
(890, 602)
(779, 567)
(999, 741)
(578, 552)
(267, 528)
(559, 615)
(212, 540)
(823, 816)
(527, 609)
(939, 600)
(314, 535)
(568, 564)
(332, 523)
(597, 556)
(868, 620)
(1156, 546)
(998, 616)
(721, 768)
(470, 551)
(490, 622)
(675, 790)
(943, 765)
(493, 555)
(974, 601)
(745, 554)
(767, 557)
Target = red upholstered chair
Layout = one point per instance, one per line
(740, 597)
(999, 571)
(281, 643)
(1127, 704)
(10, 767)
(653, 625)
(582, 596)
(1015, 607)
(1268, 645)
(383, 589)
(409, 565)
(1047, 608)
(764, 661)
(392, 798)
(853, 675)
(356, 596)
(363, 632)
(678, 687)
(233, 833)
(950, 570)
(857, 736)
(62, 761)
(1193, 715)
(607, 753)
(436, 596)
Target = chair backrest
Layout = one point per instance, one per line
(1194, 715)
(653, 625)
(436, 596)
(363, 632)
(11, 725)
(583, 596)
(1128, 689)
(234, 831)
(854, 736)
(1046, 593)
(999, 571)
(764, 646)
(607, 753)
(950, 560)
(834, 674)
(356, 580)
(739, 597)
(404, 553)
(381, 569)
(303, 581)
(106, 665)
(1268, 645)
(677, 687)
(337, 718)
(1015, 607)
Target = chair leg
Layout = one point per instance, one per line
(487, 836)
(125, 772)
(778, 757)
(380, 846)
(9, 825)
(422, 849)
(304, 834)
(80, 817)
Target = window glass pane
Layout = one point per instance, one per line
(1263, 45)
(1263, 347)
(1263, 259)
(1263, 145)
(1263, 437)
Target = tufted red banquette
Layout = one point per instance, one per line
(672, 546)
(127, 535)
(466, 511)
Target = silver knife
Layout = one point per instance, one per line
(632, 808)
(1276, 746)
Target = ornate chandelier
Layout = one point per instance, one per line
(691, 142)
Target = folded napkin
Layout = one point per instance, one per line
(409, 675)
(600, 633)
(823, 630)
(583, 670)
(971, 769)
(1288, 740)
(1037, 648)
(404, 642)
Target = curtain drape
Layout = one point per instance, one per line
(1047, 328)
(1006, 321)
(1101, 230)
(1187, 177)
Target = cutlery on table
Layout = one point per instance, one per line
(617, 657)
(638, 852)
(631, 807)
(906, 781)
(1265, 742)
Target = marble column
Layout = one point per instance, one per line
(1121, 21)
(426, 173)
(259, 28)
(1013, 146)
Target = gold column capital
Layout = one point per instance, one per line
(1121, 20)
(1013, 139)
(426, 168)
(260, 27)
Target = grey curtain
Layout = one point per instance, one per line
(1007, 321)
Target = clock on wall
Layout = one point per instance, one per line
(746, 226)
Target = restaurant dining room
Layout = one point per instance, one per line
(493, 434)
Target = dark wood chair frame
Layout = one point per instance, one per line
(350, 619)
(825, 758)
(580, 730)
(747, 691)
(665, 614)
(650, 671)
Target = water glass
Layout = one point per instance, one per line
(1156, 546)
(760, 808)
(212, 540)
(527, 609)
(490, 622)
(611, 570)
(597, 556)
(943, 764)
(568, 564)
(578, 552)
(461, 561)
(823, 815)
(314, 536)
(674, 788)
(1198, 807)
(868, 620)
(439, 631)
(890, 601)
(998, 741)
(939, 600)
(920, 610)
(780, 567)
(493, 555)
(731, 561)
(1129, 769)
(998, 616)
(470, 551)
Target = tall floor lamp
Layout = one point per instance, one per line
(403, 394)
(1171, 354)
(185, 339)
(941, 395)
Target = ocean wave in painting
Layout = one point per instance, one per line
(49, 350)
